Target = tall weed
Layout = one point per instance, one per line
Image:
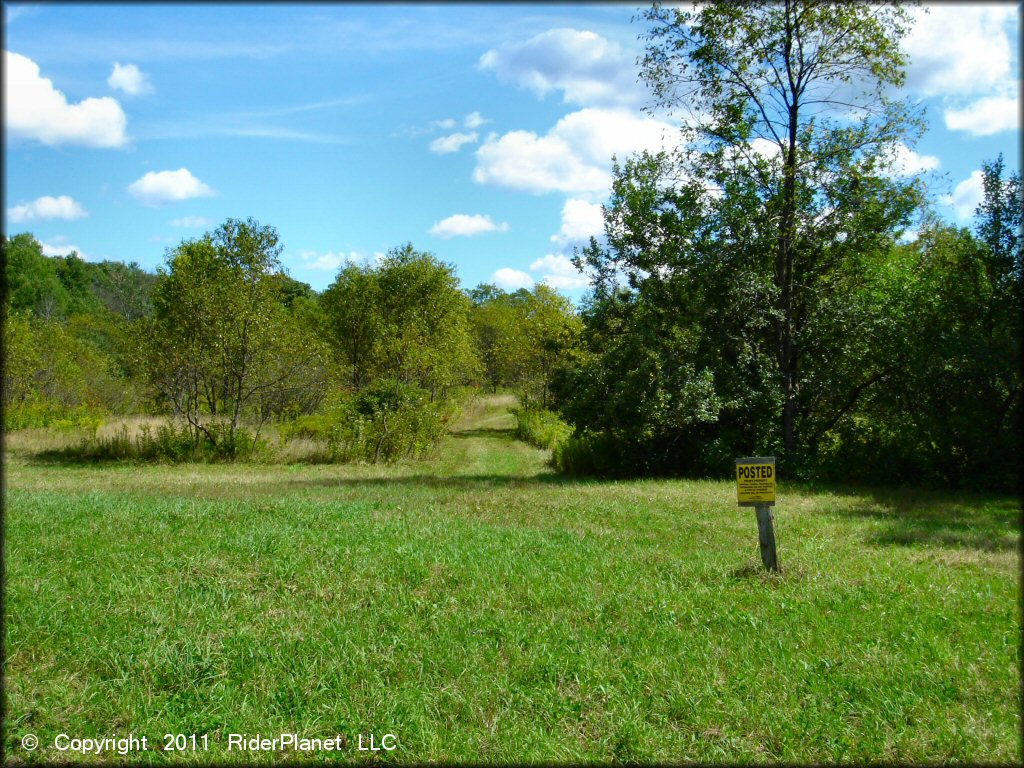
(540, 427)
(168, 443)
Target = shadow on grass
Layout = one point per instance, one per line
(949, 519)
(757, 572)
(75, 457)
(458, 482)
(504, 434)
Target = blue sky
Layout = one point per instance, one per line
(483, 133)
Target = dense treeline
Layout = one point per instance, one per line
(914, 369)
(69, 353)
(222, 339)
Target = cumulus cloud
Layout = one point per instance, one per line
(61, 246)
(987, 115)
(959, 49)
(967, 195)
(585, 67)
(903, 161)
(328, 262)
(35, 110)
(192, 222)
(332, 261)
(463, 225)
(766, 148)
(130, 79)
(475, 120)
(47, 207)
(575, 156)
(972, 70)
(559, 272)
(523, 161)
(511, 279)
(580, 221)
(160, 187)
(453, 143)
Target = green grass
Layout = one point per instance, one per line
(483, 609)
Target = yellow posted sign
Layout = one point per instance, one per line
(755, 481)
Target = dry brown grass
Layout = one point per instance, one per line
(28, 442)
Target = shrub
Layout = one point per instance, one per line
(540, 427)
(592, 454)
(384, 422)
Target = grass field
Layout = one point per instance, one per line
(482, 609)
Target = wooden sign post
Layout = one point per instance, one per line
(755, 487)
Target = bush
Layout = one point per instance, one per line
(385, 422)
(540, 427)
(593, 454)
(615, 454)
(313, 426)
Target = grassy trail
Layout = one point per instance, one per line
(483, 609)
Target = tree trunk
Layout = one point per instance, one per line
(784, 269)
(784, 284)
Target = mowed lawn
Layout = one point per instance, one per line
(482, 609)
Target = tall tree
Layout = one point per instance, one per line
(794, 95)
(352, 321)
(404, 319)
(221, 338)
(523, 337)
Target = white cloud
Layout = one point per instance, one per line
(766, 148)
(560, 272)
(192, 222)
(60, 246)
(332, 261)
(14, 12)
(34, 109)
(903, 161)
(600, 133)
(987, 115)
(462, 225)
(157, 188)
(130, 79)
(524, 161)
(580, 221)
(47, 207)
(587, 68)
(960, 49)
(967, 196)
(574, 157)
(511, 279)
(453, 143)
(447, 124)
(329, 262)
(475, 120)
